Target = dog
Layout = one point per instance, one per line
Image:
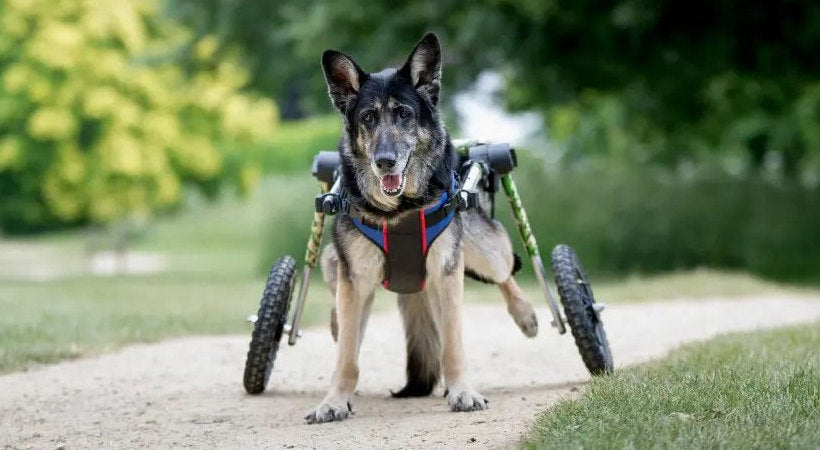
(396, 156)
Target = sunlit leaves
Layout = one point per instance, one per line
(97, 122)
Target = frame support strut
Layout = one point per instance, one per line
(311, 257)
(532, 249)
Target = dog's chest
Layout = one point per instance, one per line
(401, 260)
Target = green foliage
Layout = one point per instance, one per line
(624, 219)
(747, 390)
(286, 229)
(97, 123)
(650, 81)
(297, 142)
(743, 124)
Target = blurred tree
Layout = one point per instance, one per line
(97, 123)
(649, 80)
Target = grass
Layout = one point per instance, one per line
(47, 322)
(744, 390)
(693, 284)
(212, 281)
(217, 255)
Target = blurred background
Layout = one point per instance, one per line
(154, 154)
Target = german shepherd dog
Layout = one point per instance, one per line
(393, 147)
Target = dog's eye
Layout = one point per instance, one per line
(405, 113)
(368, 117)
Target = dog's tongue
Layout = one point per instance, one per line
(391, 182)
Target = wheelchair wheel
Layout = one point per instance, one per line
(269, 325)
(579, 308)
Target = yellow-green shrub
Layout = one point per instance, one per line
(98, 123)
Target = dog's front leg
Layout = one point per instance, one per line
(449, 296)
(350, 304)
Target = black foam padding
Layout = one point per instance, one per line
(500, 157)
(325, 164)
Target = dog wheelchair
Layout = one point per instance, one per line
(484, 169)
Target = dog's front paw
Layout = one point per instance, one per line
(330, 410)
(466, 399)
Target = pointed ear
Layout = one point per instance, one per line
(344, 78)
(423, 67)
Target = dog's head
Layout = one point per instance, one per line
(393, 134)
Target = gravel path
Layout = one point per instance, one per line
(188, 392)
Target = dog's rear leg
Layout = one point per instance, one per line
(521, 310)
(488, 257)
(328, 263)
(423, 345)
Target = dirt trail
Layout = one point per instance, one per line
(188, 392)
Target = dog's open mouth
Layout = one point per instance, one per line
(392, 184)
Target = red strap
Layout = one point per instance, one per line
(386, 248)
(423, 232)
(423, 242)
(384, 235)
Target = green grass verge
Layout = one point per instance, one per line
(212, 281)
(48, 322)
(51, 321)
(745, 390)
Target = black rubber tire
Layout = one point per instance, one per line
(577, 298)
(270, 322)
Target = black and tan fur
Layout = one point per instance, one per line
(393, 131)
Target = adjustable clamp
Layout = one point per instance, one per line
(466, 199)
(467, 196)
(331, 202)
(328, 203)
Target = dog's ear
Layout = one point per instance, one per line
(344, 78)
(423, 67)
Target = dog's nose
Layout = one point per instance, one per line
(385, 163)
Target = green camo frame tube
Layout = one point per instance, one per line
(311, 256)
(532, 249)
(520, 216)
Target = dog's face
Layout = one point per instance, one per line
(392, 127)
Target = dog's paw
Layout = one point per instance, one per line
(466, 399)
(329, 411)
(524, 316)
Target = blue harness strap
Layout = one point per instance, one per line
(405, 245)
(434, 223)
